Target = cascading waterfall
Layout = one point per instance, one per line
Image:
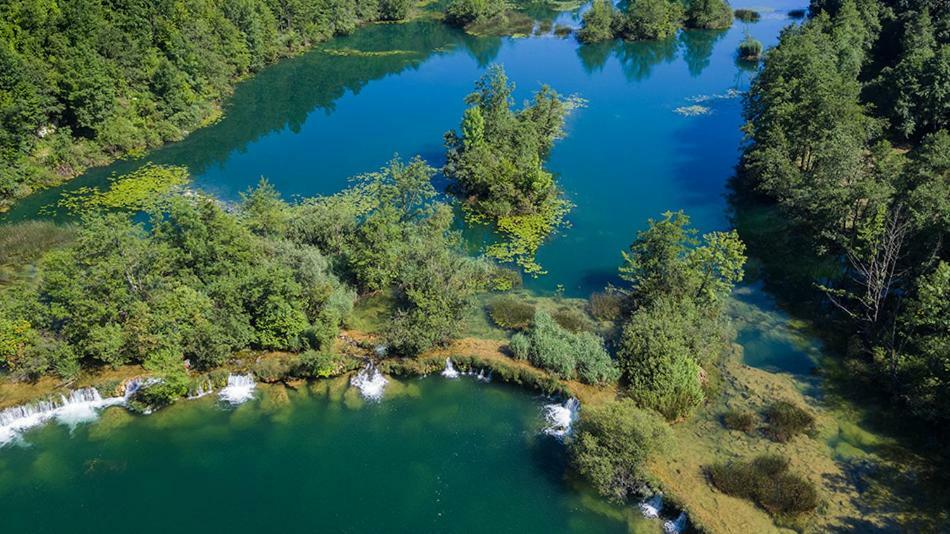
(561, 417)
(651, 507)
(675, 526)
(450, 371)
(204, 389)
(79, 406)
(239, 390)
(370, 382)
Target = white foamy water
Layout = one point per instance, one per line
(79, 406)
(240, 389)
(204, 389)
(370, 382)
(675, 526)
(450, 371)
(651, 507)
(561, 417)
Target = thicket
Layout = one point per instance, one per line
(847, 122)
(497, 162)
(612, 442)
(85, 81)
(511, 313)
(786, 420)
(766, 481)
(678, 285)
(747, 15)
(651, 19)
(567, 354)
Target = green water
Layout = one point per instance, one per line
(440, 456)
(456, 457)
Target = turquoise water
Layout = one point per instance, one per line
(309, 123)
(306, 463)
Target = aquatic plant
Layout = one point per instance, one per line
(137, 190)
(750, 49)
(741, 420)
(766, 480)
(748, 15)
(786, 420)
(511, 313)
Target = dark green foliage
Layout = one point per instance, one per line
(606, 306)
(464, 12)
(564, 353)
(316, 364)
(84, 81)
(511, 313)
(766, 481)
(786, 420)
(748, 15)
(611, 444)
(797, 13)
(394, 9)
(750, 49)
(822, 116)
(497, 157)
(649, 20)
(708, 14)
(741, 420)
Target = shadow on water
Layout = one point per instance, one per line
(698, 47)
(283, 95)
(636, 59)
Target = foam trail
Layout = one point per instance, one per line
(561, 417)
(79, 406)
(370, 382)
(675, 526)
(239, 390)
(651, 507)
(450, 371)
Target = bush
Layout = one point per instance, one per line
(511, 313)
(750, 49)
(571, 320)
(606, 306)
(741, 420)
(272, 370)
(708, 14)
(612, 442)
(748, 15)
(797, 14)
(394, 9)
(766, 481)
(316, 364)
(785, 421)
(598, 22)
(565, 353)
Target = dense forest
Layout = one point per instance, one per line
(847, 136)
(83, 82)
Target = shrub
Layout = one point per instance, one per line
(748, 15)
(272, 370)
(520, 346)
(571, 320)
(394, 9)
(766, 481)
(785, 421)
(598, 22)
(750, 49)
(565, 353)
(612, 441)
(511, 313)
(741, 420)
(708, 14)
(606, 306)
(316, 364)
(797, 13)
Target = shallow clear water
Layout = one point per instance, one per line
(309, 123)
(435, 455)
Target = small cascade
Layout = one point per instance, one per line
(651, 507)
(370, 382)
(204, 389)
(675, 526)
(79, 406)
(450, 371)
(239, 390)
(482, 377)
(561, 417)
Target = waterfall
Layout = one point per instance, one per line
(240, 389)
(561, 417)
(204, 389)
(482, 377)
(651, 507)
(71, 409)
(370, 382)
(450, 371)
(675, 526)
